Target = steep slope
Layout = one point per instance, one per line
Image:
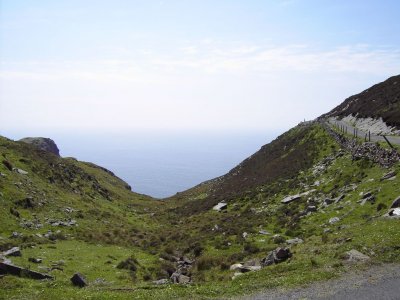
(379, 101)
(280, 160)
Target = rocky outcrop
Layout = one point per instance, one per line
(42, 143)
(8, 268)
(79, 280)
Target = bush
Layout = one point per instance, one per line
(128, 264)
(206, 262)
(251, 248)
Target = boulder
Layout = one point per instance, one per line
(8, 268)
(41, 143)
(396, 203)
(220, 206)
(235, 267)
(395, 212)
(79, 280)
(179, 278)
(334, 220)
(276, 256)
(15, 251)
(355, 256)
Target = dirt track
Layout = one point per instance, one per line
(376, 283)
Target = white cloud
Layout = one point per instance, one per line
(200, 85)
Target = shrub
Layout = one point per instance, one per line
(251, 248)
(128, 264)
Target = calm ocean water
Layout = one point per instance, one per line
(161, 165)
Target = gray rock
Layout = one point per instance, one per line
(340, 198)
(355, 256)
(311, 208)
(334, 220)
(20, 171)
(292, 198)
(370, 199)
(395, 212)
(276, 256)
(264, 232)
(396, 203)
(8, 268)
(328, 201)
(44, 144)
(389, 175)
(294, 241)
(235, 267)
(15, 251)
(220, 206)
(179, 278)
(246, 269)
(79, 280)
(35, 260)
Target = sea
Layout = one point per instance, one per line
(160, 164)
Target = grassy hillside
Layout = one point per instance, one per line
(79, 217)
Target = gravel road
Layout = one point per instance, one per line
(380, 282)
(361, 134)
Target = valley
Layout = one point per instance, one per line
(313, 204)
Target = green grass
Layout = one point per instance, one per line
(117, 224)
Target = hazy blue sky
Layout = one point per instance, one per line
(182, 64)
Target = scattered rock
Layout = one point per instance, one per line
(370, 199)
(292, 198)
(20, 171)
(355, 256)
(340, 198)
(294, 241)
(79, 280)
(311, 208)
(35, 260)
(179, 278)
(8, 268)
(244, 235)
(235, 267)
(264, 232)
(389, 175)
(276, 256)
(328, 201)
(15, 251)
(15, 235)
(220, 206)
(334, 220)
